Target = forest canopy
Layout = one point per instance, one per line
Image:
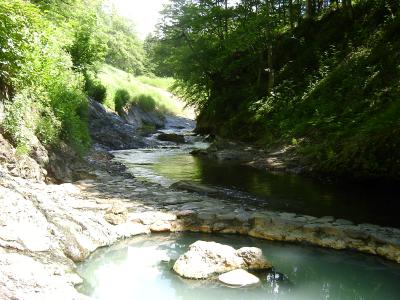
(321, 75)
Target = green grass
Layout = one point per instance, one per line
(114, 79)
(162, 83)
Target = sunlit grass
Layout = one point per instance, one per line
(114, 79)
(163, 83)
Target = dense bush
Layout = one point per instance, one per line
(95, 89)
(325, 79)
(145, 102)
(121, 99)
(45, 95)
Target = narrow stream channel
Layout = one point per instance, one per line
(281, 192)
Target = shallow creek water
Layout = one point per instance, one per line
(280, 192)
(141, 268)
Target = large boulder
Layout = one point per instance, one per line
(205, 259)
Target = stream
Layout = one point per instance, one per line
(374, 203)
(141, 267)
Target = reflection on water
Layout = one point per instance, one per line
(141, 268)
(290, 193)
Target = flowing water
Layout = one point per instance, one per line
(141, 268)
(282, 192)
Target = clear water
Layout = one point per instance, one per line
(141, 268)
(375, 204)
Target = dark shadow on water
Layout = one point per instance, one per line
(377, 204)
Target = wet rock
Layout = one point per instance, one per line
(171, 137)
(116, 215)
(238, 277)
(199, 152)
(196, 188)
(274, 278)
(205, 259)
(160, 226)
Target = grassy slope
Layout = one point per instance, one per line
(114, 79)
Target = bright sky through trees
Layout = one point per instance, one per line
(144, 13)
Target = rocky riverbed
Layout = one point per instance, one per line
(46, 228)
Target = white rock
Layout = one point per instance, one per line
(205, 259)
(238, 277)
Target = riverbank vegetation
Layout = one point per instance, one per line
(148, 90)
(52, 58)
(320, 75)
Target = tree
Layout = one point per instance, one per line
(125, 50)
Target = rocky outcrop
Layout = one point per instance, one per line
(20, 165)
(44, 229)
(110, 130)
(138, 117)
(205, 259)
(48, 227)
(282, 159)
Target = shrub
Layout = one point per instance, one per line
(145, 102)
(121, 98)
(95, 89)
(20, 119)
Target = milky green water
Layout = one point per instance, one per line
(141, 268)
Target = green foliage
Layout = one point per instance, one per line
(20, 119)
(125, 50)
(88, 47)
(95, 89)
(164, 83)
(145, 102)
(121, 99)
(261, 74)
(115, 79)
(43, 94)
